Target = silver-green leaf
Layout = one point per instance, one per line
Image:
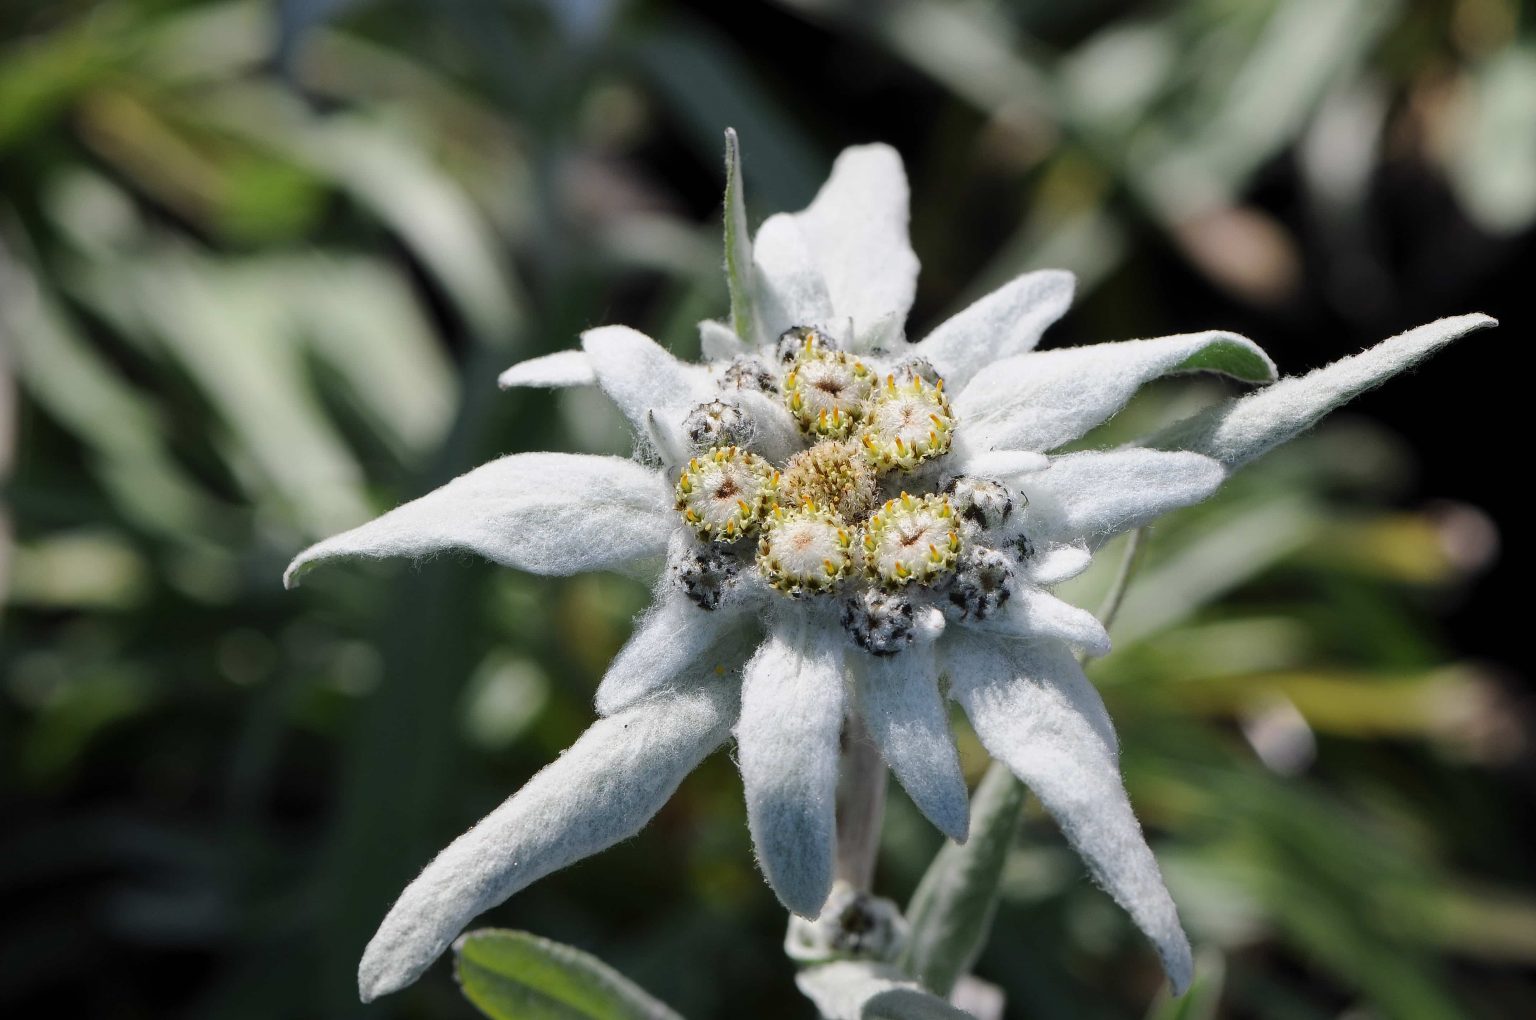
(512, 975)
(951, 911)
(738, 244)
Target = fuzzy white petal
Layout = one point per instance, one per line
(1237, 431)
(774, 432)
(898, 696)
(670, 643)
(558, 370)
(642, 378)
(862, 990)
(790, 287)
(1092, 496)
(1003, 465)
(1033, 613)
(719, 342)
(546, 513)
(600, 791)
(1035, 711)
(791, 715)
(1056, 564)
(1044, 399)
(854, 237)
(1008, 321)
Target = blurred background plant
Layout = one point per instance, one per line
(260, 265)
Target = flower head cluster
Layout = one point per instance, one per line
(849, 523)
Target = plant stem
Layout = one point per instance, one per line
(860, 805)
(1116, 594)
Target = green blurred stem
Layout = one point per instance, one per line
(860, 804)
(1116, 594)
(951, 912)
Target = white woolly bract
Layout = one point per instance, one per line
(561, 369)
(791, 716)
(846, 256)
(1236, 431)
(675, 641)
(546, 513)
(860, 990)
(1092, 496)
(1033, 613)
(600, 791)
(1056, 564)
(1008, 321)
(898, 696)
(643, 379)
(1034, 711)
(1042, 400)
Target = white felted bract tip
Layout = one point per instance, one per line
(1237, 431)
(898, 696)
(1008, 321)
(546, 513)
(846, 256)
(558, 370)
(600, 791)
(642, 378)
(1036, 712)
(1042, 400)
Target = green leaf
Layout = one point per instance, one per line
(1234, 359)
(951, 912)
(738, 244)
(512, 975)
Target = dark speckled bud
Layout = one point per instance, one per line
(879, 622)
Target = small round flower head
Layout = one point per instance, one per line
(917, 368)
(705, 575)
(853, 925)
(805, 550)
(797, 339)
(717, 424)
(911, 539)
(905, 423)
(832, 475)
(749, 374)
(982, 502)
(825, 390)
(724, 492)
(981, 582)
(879, 622)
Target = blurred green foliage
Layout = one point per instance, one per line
(259, 267)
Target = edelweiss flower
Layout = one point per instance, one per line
(849, 523)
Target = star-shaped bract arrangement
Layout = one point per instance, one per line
(845, 522)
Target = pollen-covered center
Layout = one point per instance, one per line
(820, 516)
(724, 492)
(825, 390)
(833, 475)
(911, 539)
(804, 550)
(906, 422)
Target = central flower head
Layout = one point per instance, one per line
(854, 512)
(826, 390)
(833, 475)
